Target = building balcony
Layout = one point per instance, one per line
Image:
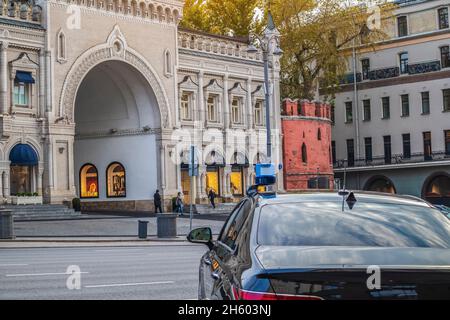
(395, 161)
(20, 10)
(424, 67)
(385, 73)
(349, 78)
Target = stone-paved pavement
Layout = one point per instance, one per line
(108, 226)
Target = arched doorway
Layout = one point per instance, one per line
(437, 189)
(117, 126)
(23, 170)
(380, 184)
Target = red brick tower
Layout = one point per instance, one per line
(307, 145)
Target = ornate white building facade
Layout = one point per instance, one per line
(101, 100)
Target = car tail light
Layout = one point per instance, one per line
(255, 296)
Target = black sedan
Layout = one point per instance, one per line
(327, 246)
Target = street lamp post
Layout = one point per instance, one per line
(270, 36)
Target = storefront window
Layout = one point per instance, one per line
(186, 185)
(20, 179)
(88, 181)
(212, 180)
(236, 184)
(116, 181)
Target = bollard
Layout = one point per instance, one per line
(6, 224)
(143, 227)
(167, 225)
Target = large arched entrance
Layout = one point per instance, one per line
(437, 189)
(117, 124)
(380, 184)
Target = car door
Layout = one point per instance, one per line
(222, 259)
(209, 266)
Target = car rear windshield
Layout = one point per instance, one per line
(368, 224)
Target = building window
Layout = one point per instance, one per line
(406, 146)
(350, 152)
(186, 100)
(365, 66)
(402, 26)
(443, 18)
(237, 181)
(116, 181)
(332, 114)
(259, 113)
(88, 182)
(61, 46)
(212, 108)
(348, 112)
(304, 153)
(236, 111)
(447, 142)
(368, 149)
(319, 134)
(404, 61)
(21, 94)
(366, 109)
(445, 57)
(387, 150)
(386, 107)
(333, 151)
(425, 102)
(446, 94)
(167, 63)
(405, 105)
(427, 150)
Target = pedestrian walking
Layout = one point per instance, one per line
(157, 202)
(179, 204)
(212, 198)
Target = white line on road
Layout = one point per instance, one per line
(40, 274)
(13, 265)
(129, 284)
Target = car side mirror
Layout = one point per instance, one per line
(201, 235)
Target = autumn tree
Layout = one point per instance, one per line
(314, 34)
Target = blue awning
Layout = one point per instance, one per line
(23, 155)
(24, 77)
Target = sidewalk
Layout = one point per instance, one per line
(91, 242)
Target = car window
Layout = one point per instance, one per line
(228, 222)
(368, 224)
(235, 224)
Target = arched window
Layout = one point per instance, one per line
(304, 154)
(380, 184)
(167, 63)
(61, 46)
(88, 182)
(116, 181)
(437, 190)
(319, 134)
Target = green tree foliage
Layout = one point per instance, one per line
(314, 35)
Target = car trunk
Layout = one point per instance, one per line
(352, 273)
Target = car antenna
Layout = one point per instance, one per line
(344, 192)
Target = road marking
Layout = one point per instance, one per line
(118, 250)
(40, 274)
(14, 265)
(129, 284)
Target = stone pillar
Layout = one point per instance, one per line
(6, 184)
(201, 183)
(41, 106)
(48, 81)
(70, 153)
(250, 115)
(3, 77)
(226, 182)
(1, 185)
(226, 103)
(162, 151)
(40, 175)
(201, 101)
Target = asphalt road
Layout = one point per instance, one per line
(153, 272)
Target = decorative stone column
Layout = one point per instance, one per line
(40, 174)
(3, 77)
(226, 182)
(201, 183)
(201, 101)
(249, 104)
(226, 103)
(6, 184)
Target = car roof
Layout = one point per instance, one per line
(361, 196)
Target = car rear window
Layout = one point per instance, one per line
(368, 224)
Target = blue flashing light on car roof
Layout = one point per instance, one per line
(264, 178)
